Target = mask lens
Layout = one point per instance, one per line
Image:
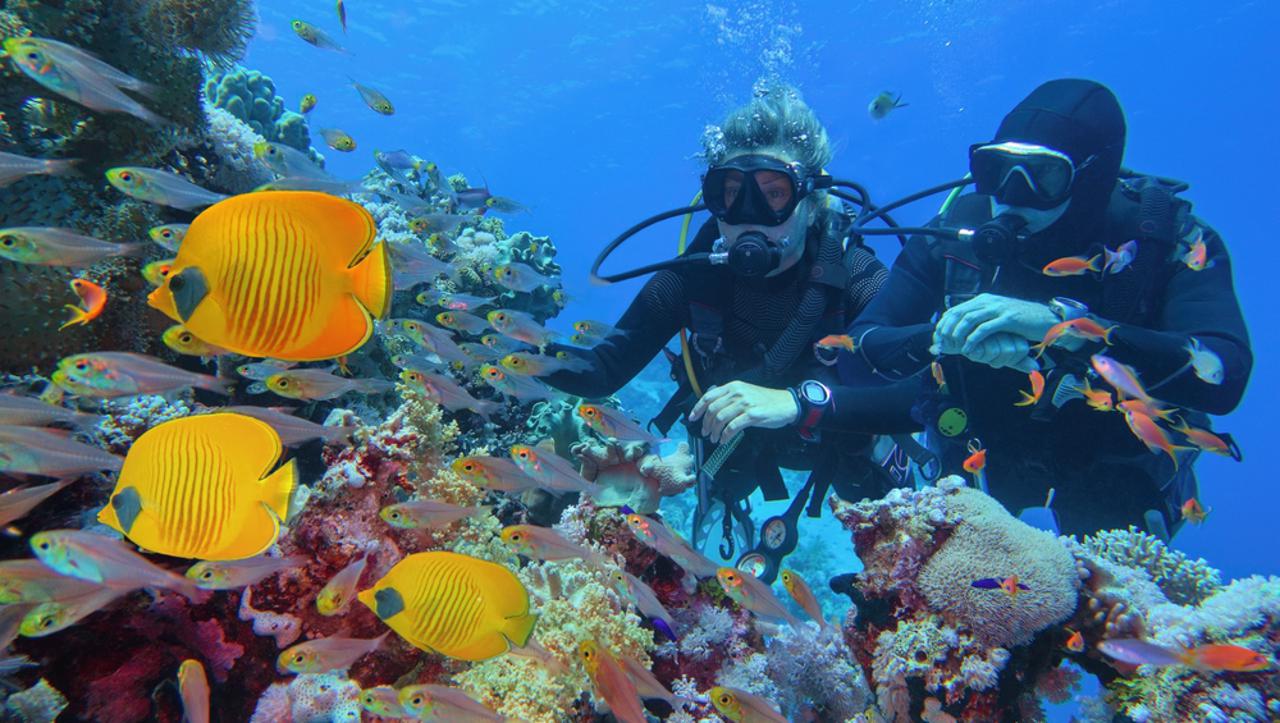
(751, 192)
(1021, 175)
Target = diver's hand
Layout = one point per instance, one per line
(1002, 350)
(964, 326)
(729, 409)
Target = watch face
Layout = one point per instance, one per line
(814, 393)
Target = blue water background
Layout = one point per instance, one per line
(590, 113)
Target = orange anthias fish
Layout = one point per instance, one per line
(93, 298)
(976, 461)
(837, 341)
(1121, 376)
(1196, 257)
(1083, 328)
(1206, 440)
(1099, 399)
(1149, 432)
(291, 275)
(1011, 586)
(1151, 408)
(1208, 658)
(1073, 266)
(612, 682)
(1075, 641)
(1037, 390)
(936, 369)
(1195, 514)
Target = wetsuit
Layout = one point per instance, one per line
(754, 313)
(1102, 474)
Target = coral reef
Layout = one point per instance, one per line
(1183, 580)
(41, 703)
(251, 96)
(923, 620)
(217, 29)
(631, 476)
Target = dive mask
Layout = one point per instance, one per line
(755, 190)
(1022, 174)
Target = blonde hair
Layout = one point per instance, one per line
(776, 119)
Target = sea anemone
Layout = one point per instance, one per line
(217, 29)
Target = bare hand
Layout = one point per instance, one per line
(729, 409)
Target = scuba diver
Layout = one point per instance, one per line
(1058, 231)
(762, 282)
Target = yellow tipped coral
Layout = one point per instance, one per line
(575, 604)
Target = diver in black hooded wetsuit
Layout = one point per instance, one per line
(755, 321)
(1050, 186)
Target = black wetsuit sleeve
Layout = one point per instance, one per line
(1200, 304)
(655, 315)
(862, 403)
(895, 331)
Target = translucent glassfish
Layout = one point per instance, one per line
(424, 513)
(555, 473)
(612, 682)
(325, 654)
(521, 277)
(338, 593)
(14, 167)
(193, 686)
(658, 536)
(442, 703)
(110, 374)
(521, 326)
(236, 574)
(493, 473)
(161, 187)
(54, 616)
(49, 453)
(523, 389)
(20, 411)
(543, 543)
(80, 77)
(17, 502)
(317, 384)
(49, 246)
(752, 594)
(104, 560)
(294, 430)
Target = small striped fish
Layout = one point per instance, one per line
(461, 606)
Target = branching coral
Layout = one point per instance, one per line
(1183, 580)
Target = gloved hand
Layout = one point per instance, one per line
(964, 326)
(729, 409)
(1001, 350)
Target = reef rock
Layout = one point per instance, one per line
(631, 476)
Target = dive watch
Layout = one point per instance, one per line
(1068, 309)
(814, 398)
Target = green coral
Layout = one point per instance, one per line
(251, 96)
(1185, 581)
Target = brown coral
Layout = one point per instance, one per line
(218, 29)
(988, 542)
(633, 477)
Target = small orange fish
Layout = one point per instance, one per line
(1083, 328)
(936, 369)
(92, 297)
(1075, 643)
(1073, 266)
(1037, 390)
(1150, 433)
(1099, 399)
(1206, 440)
(1149, 407)
(1196, 257)
(1233, 658)
(1195, 514)
(837, 341)
(1011, 586)
(977, 459)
